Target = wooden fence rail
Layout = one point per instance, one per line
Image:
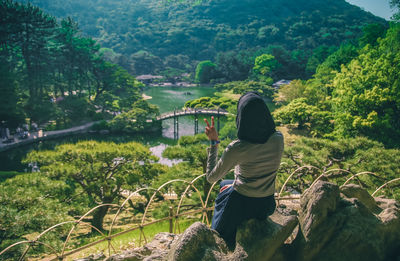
(204, 208)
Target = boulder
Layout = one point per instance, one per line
(316, 204)
(93, 257)
(355, 191)
(384, 203)
(157, 249)
(261, 239)
(256, 240)
(390, 218)
(344, 228)
(199, 242)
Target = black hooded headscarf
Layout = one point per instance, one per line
(253, 120)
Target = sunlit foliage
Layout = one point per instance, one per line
(100, 169)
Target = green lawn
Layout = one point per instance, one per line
(126, 241)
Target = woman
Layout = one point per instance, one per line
(256, 156)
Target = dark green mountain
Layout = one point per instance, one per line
(150, 35)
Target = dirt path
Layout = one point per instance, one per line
(46, 135)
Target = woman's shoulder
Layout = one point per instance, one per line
(236, 147)
(234, 144)
(277, 136)
(276, 141)
(237, 144)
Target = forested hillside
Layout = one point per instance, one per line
(149, 36)
(53, 76)
(340, 114)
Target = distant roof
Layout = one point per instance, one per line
(281, 82)
(148, 77)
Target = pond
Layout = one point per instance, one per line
(170, 98)
(167, 98)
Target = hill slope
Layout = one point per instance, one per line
(151, 34)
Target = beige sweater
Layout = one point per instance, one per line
(255, 165)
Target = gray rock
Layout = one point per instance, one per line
(316, 203)
(198, 242)
(390, 218)
(355, 191)
(384, 203)
(334, 228)
(261, 239)
(126, 257)
(157, 249)
(256, 240)
(93, 257)
(161, 243)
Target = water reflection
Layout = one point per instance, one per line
(10, 160)
(186, 125)
(167, 98)
(158, 150)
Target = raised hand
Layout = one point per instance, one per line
(211, 132)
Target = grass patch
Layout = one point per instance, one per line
(228, 94)
(291, 133)
(123, 242)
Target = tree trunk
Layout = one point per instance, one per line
(98, 217)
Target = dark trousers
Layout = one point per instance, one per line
(232, 208)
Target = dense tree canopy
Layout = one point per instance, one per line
(205, 71)
(30, 203)
(356, 89)
(141, 117)
(240, 87)
(48, 69)
(100, 169)
(265, 64)
(366, 92)
(150, 35)
(208, 102)
(288, 92)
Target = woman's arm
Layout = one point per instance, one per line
(229, 159)
(217, 170)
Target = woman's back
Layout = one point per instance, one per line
(256, 156)
(257, 166)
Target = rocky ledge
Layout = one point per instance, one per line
(333, 223)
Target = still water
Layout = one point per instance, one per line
(170, 98)
(166, 98)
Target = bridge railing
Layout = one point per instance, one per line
(193, 111)
(174, 217)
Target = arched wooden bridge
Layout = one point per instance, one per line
(196, 112)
